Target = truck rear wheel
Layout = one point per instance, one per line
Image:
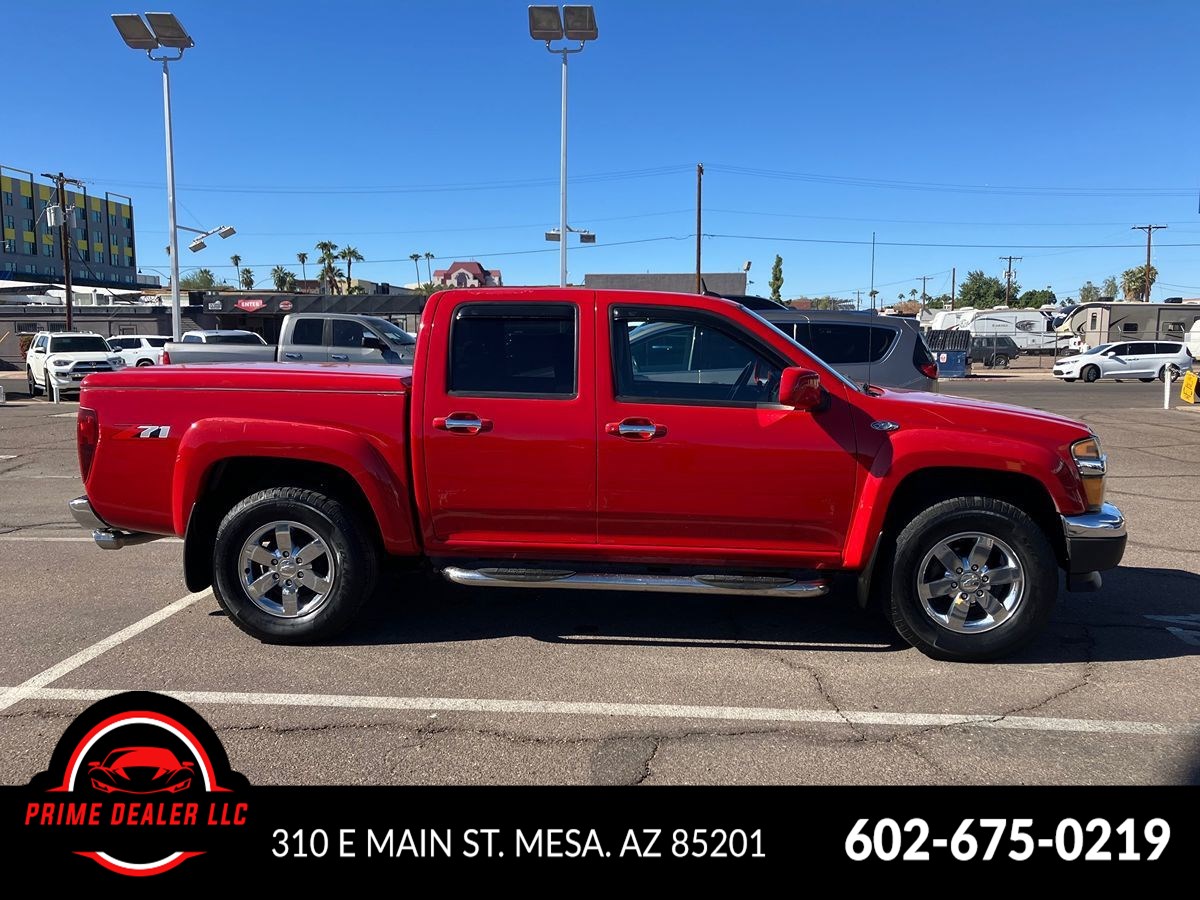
(292, 566)
(974, 578)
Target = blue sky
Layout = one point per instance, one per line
(1022, 128)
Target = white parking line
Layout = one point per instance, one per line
(17, 475)
(648, 710)
(86, 655)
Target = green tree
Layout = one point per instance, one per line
(1133, 282)
(1089, 293)
(983, 291)
(429, 265)
(302, 258)
(1109, 287)
(237, 268)
(351, 256)
(776, 282)
(327, 257)
(1034, 299)
(415, 257)
(200, 280)
(284, 279)
(247, 279)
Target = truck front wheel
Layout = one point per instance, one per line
(292, 566)
(974, 578)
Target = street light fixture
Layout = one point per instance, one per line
(197, 244)
(546, 23)
(163, 31)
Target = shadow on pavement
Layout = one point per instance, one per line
(1107, 626)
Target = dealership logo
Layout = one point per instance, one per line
(139, 784)
(285, 305)
(215, 304)
(251, 304)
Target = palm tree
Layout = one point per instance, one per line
(302, 258)
(415, 257)
(328, 254)
(247, 279)
(428, 268)
(351, 256)
(237, 263)
(290, 284)
(281, 276)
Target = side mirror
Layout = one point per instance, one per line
(371, 342)
(39, 349)
(800, 389)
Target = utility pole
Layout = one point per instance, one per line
(924, 278)
(64, 235)
(699, 196)
(858, 299)
(1008, 276)
(1149, 229)
(953, 273)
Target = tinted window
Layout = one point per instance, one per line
(788, 328)
(1129, 327)
(843, 343)
(348, 333)
(79, 344)
(1119, 349)
(308, 331)
(192, 339)
(1172, 328)
(513, 349)
(1142, 349)
(157, 341)
(1167, 348)
(656, 358)
(121, 343)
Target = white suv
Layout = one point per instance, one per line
(139, 349)
(1143, 360)
(64, 358)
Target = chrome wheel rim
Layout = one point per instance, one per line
(287, 570)
(970, 583)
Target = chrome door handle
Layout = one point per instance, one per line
(292, 356)
(636, 429)
(462, 423)
(340, 357)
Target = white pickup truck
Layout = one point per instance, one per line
(305, 337)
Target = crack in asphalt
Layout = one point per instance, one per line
(641, 777)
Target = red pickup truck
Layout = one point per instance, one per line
(568, 438)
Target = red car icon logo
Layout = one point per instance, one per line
(140, 770)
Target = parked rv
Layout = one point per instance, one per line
(1094, 324)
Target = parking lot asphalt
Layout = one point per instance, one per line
(445, 685)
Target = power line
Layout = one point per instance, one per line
(756, 237)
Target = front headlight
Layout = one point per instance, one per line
(60, 363)
(116, 362)
(1092, 465)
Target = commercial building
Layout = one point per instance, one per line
(467, 274)
(101, 234)
(730, 283)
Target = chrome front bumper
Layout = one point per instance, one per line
(103, 534)
(1095, 542)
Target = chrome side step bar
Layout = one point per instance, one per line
(765, 586)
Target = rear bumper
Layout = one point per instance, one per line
(103, 534)
(1095, 541)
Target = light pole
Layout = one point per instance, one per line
(166, 31)
(576, 23)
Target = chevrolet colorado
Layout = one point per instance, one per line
(569, 438)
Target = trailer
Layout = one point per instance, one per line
(1093, 324)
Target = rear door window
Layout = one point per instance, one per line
(514, 349)
(843, 343)
(309, 332)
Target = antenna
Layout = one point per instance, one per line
(871, 327)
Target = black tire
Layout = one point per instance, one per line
(1070, 380)
(1001, 361)
(1090, 374)
(982, 516)
(34, 390)
(1147, 380)
(350, 545)
(1172, 369)
(145, 362)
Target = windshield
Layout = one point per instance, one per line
(393, 333)
(832, 371)
(84, 343)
